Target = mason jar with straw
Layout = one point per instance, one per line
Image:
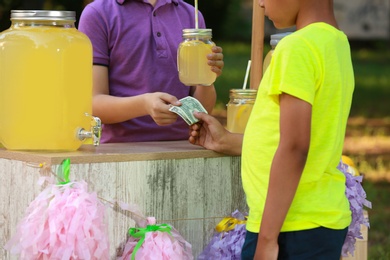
(240, 106)
(192, 55)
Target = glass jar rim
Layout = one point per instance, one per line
(35, 15)
(275, 38)
(243, 94)
(197, 32)
(243, 91)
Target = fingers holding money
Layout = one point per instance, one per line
(157, 105)
(181, 113)
(189, 105)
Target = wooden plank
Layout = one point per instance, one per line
(120, 152)
(360, 245)
(257, 45)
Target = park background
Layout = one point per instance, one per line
(367, 24)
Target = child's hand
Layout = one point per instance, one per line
(158, 104)
(215, 60)
(207, 133)
(212, 135)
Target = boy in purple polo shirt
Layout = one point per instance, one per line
(135, 76)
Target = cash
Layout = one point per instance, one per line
(187, 109)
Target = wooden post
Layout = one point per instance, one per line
(257, 45)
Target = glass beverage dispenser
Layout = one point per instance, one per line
(46, 83)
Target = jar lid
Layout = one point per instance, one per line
(197, 32)
(275, 38)
(43, 15)
(243, 93)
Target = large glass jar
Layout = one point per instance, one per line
(45, 83)
(239, 109)
(275, 38)
(192, 57)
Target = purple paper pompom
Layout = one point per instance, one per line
(226, 245)
(357, 200)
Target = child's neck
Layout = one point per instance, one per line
(318, 14)
(153, 2)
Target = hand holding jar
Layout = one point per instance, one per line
(192, 58)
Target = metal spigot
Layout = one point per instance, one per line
(95, 132)
(96, 128)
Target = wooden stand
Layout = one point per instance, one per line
(176, 182)
(257, 45)
(361, 245)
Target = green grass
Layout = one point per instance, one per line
(379, 232)
(372, 76)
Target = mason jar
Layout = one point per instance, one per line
(239, 109)
(275, 38)
(192, 58)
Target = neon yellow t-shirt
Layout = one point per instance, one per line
(312, 64)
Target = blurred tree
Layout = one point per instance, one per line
(215, 13)
(238, 22)
(7, 5)
(228, 18)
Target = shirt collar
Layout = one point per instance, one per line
(122, 1)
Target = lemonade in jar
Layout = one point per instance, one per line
(192, 58)
(46, 82)
(239, 109)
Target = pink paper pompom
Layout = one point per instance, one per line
(161, 242)
(63, 222)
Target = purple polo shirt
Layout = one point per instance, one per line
(138, 44)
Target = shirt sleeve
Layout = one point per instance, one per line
(94, 26)
(294, 69)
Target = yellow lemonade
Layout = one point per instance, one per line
(237, 117)
(192, 63)
(46, 87)
(239, 109)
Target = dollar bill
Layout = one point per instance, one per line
(180, 112)
(189, 106)
(187, 109)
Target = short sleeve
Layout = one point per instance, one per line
(294, 69)
(96, 28)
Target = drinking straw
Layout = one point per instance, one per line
(196, 15)
(247, 74)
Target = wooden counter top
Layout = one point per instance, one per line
(118, 152)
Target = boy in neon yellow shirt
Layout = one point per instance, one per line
(293, 141)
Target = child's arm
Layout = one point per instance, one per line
(286, 170)
(212, 135)
(206, 95)
(111, 109)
